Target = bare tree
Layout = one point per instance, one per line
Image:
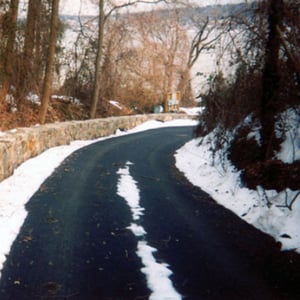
(163, 42)
(111, 7)
(28, 73)
(50, 62)
(207, 33)
(98, 73)
(9, 34)
(149, 58)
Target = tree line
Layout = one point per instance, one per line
(136, 57)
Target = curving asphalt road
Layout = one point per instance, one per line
(75, 244)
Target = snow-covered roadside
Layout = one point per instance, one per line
(16, 190)
(223, 184)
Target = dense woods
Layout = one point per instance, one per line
(133, 57)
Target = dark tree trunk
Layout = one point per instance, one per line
(50, 62)
(98, 71)
(28, 78)
(270, 79)
(10, 35)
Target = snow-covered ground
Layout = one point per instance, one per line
(224, 185)
(267, 210)
(193, 160)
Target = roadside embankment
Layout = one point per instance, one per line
(18, 145)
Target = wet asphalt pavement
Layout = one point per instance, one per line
(75, 244)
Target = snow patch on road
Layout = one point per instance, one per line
(157, 274)
(127, 188)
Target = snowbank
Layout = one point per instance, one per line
(216, 176)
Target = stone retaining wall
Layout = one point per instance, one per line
(16, 146)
